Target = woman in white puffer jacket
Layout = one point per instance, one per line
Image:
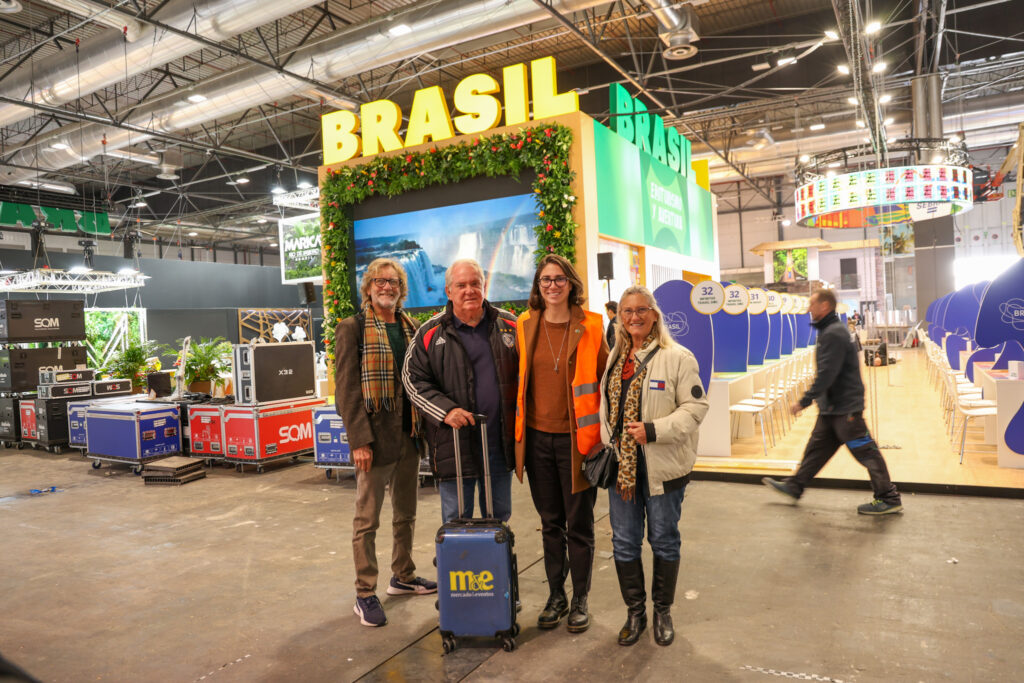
(652, 404)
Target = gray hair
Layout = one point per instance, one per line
(374, 269)
(661, 334)
(463, 262)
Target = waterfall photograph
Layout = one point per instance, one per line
(498, 233)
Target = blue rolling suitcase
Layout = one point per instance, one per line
(477, 576)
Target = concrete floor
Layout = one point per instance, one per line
(246, 577)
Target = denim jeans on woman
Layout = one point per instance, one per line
(661, 514)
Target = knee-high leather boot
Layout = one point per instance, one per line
(663, 592)
(631, 583)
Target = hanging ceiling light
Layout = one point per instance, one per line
(873, 27)
(843, 69)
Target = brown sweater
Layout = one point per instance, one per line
(547, 403)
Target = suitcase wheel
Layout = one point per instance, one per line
(508, 643)
(448, 644)
(96, 464)
(329, 473)
(515, 630)
(137, 471)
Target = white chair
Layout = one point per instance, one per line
(967, 409)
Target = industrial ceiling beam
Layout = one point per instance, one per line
(859, 59)
(641, 88)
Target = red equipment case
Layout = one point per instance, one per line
(261, 433)
(27, 408)
(206, 430)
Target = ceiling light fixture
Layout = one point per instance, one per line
(831, 35)
(878, 68)
(872, 28)
(79, 270)
(60, 145)
(843, 69)
(817, 126)
(760, 66)
(860, 124)
(277, 189)
(261, 220)
(804, 158)
(138, 204)
(196, 98)
(885, 99)
(835, 164)
(786, 222)
(784, 61)
(241, 180)
(851, 100)
(889, 121)
(304, 185)
(193, 233)
(954, 139)
(273, 244)
(400, 30)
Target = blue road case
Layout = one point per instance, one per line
(330, 442)
(132, 433)
(477, 576)
(76, 417)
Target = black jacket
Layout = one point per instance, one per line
(837, 387)
(438, 377)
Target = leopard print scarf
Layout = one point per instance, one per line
(626, 444)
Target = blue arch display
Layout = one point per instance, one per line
(1001, 317)
(731, 334)
(1012, 350)
(758, 344)
(786, 348)
(774, 351)
(687, 326)
(803, 329)
(980, 356)
(955, 343)
(962, 312)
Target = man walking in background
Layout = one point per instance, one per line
(839, 392)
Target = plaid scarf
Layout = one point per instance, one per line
(377, 376)
(627, 445)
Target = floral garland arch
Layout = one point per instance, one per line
(543, 148)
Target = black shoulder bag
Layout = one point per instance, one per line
(602, 468)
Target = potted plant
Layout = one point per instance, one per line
(131, 362)
(207, 359)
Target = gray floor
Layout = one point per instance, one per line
(246, 577)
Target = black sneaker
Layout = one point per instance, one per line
(370, 611)
(781, 487)
(417, 586)
(879, 507)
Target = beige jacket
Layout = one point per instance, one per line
(673, 400)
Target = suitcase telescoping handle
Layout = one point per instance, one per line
(482, 421)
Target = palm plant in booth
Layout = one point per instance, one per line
(132, 362)
(207, 359)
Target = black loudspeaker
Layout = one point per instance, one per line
(307, 293)
(604, 266)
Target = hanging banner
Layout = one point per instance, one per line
(299, 238)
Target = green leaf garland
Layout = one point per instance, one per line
(543, 148)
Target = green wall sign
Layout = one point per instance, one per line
(65, 220)
(647, 131)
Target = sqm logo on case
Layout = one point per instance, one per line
(290, 433)
(470, 581)
(46, 323)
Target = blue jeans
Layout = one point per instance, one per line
(627, 520)
(501, 490)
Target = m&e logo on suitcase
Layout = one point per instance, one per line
(470, 583)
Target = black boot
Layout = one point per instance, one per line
(663, 592)
(579, 619)
(556, 608)
(631, 583)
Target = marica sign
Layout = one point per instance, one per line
(375, 128)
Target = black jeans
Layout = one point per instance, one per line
(831, 432)
(567, 518)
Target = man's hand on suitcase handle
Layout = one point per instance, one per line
(362, 458)
(458, 418)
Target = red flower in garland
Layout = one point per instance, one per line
(408, 158)
(547, 132)
(549, 228)
(373, 174)
(370, 183)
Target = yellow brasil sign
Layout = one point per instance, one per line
(375, 128)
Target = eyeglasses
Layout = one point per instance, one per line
(630, 312)
(381, 281)
(558, 281)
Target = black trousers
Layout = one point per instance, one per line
(831, 432)
(567, 518)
